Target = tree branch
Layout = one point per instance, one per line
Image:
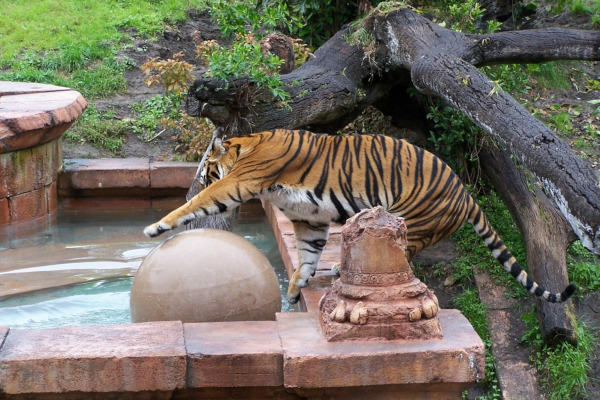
(567, 179)
(533, 46)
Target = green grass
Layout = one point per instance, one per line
(471, 307)
(75, 43)
(584, 268)
(591, 7)
(79, 29)
(564, 369)
(150, 112)
(553, 75)
(580, 7)
(475, 253)
(101, 130)
(561, 122)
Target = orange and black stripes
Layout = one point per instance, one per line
(317, 179)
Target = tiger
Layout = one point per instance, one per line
(317, 179)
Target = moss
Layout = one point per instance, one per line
(362, 39)
(386, 7)
(382, 8)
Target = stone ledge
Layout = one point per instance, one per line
(288, 356)
(103, 358)
(237, 354)
(125, 177)
(457, 358)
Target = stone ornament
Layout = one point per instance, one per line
(377, 295)
(205, 275)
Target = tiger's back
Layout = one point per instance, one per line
(319, 179)
(337, 176)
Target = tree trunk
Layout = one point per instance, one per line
(546, 233)
(397, 48)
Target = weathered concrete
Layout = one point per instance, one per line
(28, 189)
(32, 118)
(233, 354)
(434, 369)
(129, 177)
(34, 113)
(95, 359)
(287, 358)
(516, 376)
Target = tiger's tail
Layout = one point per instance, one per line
(508, 261)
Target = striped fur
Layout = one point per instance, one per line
(317, 179)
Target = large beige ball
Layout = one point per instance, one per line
(205, 275)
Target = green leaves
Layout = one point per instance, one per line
(457, 140)
(245, 58)
(102, 130)
(174, 74)
(238, 17)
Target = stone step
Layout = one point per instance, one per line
(126, 177)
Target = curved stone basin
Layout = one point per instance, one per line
(34, 113)
(33, 116)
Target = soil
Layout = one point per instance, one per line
(575, 101)
(175, 40)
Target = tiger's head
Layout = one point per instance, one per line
(219, 162)
(223, 155)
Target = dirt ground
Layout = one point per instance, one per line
(177, 39)
(180, 39)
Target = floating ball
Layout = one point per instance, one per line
(205, 275)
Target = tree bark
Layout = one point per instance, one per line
(546, 233)
(397, 48)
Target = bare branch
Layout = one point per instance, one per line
(533, 46)
(567, 179)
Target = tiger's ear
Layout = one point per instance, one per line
(218, 147)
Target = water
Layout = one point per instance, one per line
(102, 301)
(94, 303)
(84, 225)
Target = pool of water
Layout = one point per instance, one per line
(94, 303)
(104, 297)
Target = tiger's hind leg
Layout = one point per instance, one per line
(337, 268)
(311, 238)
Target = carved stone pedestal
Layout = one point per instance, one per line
(377, 295)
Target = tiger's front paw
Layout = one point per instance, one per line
(293, 294)
(156, 229)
